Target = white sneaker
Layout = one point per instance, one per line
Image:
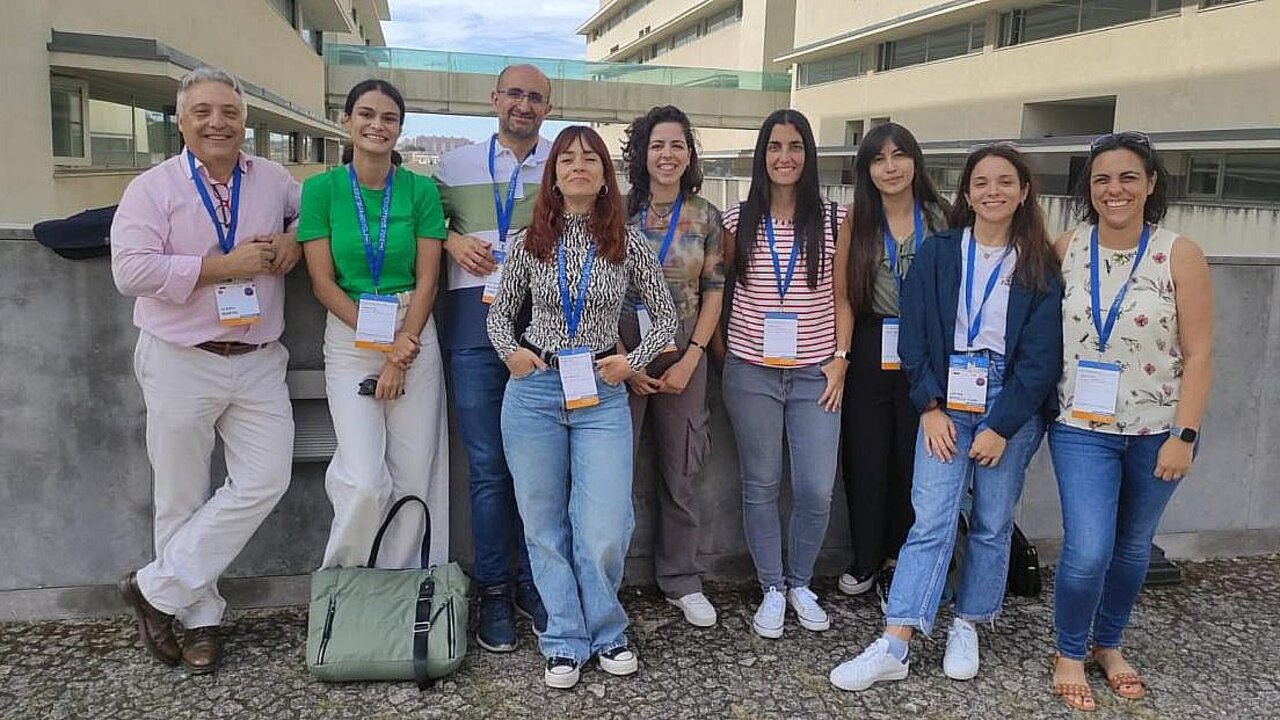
(561, 673)
(851, 584)
(769, 616)
(698, 610)
(621, 660)
(874, 665)
(808, 611)
(961, 659)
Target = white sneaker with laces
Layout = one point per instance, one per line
(961, 659)
(698, 610)
(874, 665)
(810, 614)
(851, 584)
(770, 615)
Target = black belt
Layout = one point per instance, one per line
(553, 360)
(229, 347)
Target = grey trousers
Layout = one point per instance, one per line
(681, 443)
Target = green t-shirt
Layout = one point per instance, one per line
(329, 211)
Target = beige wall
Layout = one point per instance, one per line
(1197, 70)
(255, 43)
(764, 32)
(818, 20)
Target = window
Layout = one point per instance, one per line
(288, 10)
(126, 133)
(832, 69)
(1215, 3)
(684, 37)
(1065, 17)
(941, 44)
(724, 18)
(1254, 177)
(945, 171)
(70, 136)
(250, 144)
(282, 147)
(1204, 179)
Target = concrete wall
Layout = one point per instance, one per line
(75, 485)
(1182, 72)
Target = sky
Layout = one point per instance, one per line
(528, 28)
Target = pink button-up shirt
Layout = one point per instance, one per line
(161, 234)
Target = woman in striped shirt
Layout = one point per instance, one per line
(789, 327)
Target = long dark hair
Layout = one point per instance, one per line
(1157, 203)
(810, 216)
(866, 246)
(1037, 263)
(607, 224)
(354, 94)
(635, 155)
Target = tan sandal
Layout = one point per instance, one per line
(1077, 696)
(1127, 685)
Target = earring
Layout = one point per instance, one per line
(555, 190)
(604, 191)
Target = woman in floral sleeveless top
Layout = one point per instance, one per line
(1137, 320)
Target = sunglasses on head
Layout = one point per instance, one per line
(1111, 140)
(995, 144)
(517, 94)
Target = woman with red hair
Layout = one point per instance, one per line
(566, 423)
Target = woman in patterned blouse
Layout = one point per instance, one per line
(566, 426)
(1136, 372)
(684, 229)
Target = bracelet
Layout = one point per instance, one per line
(697, 344)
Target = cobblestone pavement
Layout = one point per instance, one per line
(1210, 648)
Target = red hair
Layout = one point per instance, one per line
(608, 222)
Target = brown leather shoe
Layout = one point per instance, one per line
(154, 627)
(200, 649)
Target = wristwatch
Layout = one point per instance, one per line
(842, 354)
(1185, 434)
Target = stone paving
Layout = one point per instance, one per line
(1210, 648)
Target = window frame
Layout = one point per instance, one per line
(1220, 160)
(82, 86)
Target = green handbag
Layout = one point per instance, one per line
(366, 623)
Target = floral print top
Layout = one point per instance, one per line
(1145, 339)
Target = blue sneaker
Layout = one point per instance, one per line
(496, 628)
(529, 604)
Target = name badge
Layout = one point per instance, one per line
(780, 333)
(494, 279)
(578, 378)
(238, 303)
(889, 359)
(376, 323)
(1097, 388)
(967, 383)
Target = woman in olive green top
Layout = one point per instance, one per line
(371, 234)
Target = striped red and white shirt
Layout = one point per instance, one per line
(757, 293)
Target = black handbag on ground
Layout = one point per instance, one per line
(81, 236)
(1024, 566)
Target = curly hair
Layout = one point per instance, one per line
(635, 155)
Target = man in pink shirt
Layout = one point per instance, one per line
(200, 240)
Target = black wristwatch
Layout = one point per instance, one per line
(1185, 434)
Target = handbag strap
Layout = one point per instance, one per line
(422, 632)
(391, 514)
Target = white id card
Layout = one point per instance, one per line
(1097, 388)
(967, 383)
(238, 303)
(578, 378)
(494, 279)
(376, 323)
(780, 332)
(889, 345)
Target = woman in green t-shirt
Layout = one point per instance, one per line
(372, 235)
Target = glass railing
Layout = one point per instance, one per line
(556, 69)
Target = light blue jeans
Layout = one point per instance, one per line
(1112, 502)
(572, 472)
(937, 493)
(767, 407)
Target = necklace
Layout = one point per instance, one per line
(661, 214)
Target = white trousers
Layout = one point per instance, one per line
(190, 394)
(386, 449)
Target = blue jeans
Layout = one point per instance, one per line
(1111, 504)
(937, 493)
(478, 378)
(572, 473)
(768, 406)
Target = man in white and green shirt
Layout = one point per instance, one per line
(488, 191)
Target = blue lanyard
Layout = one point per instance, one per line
(573, 307)
(375, 257)
(671, 228)
(1095, 286)
(975, 320)
(504, 213)
(783, 285)
(226, 236)
(891, 245)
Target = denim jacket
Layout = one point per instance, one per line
(1033, 337)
